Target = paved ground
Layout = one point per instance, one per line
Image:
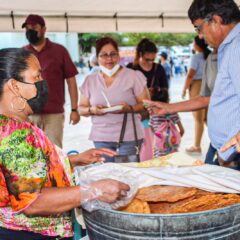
(76, 137)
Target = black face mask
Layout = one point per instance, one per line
(32, 36)
(38, 102)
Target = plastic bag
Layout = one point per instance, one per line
(84, 176)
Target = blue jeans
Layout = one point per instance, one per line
(126, 148)
(210, 156)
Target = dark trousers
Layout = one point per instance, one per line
(7, 234)
(210, 156)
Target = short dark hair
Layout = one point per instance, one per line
(100, 43)
(160, 94)
(226, 9)
(13, 62)
(164, 55)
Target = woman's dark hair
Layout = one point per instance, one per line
(202, 44)
(100, 43)
(144, 46)
(160, 95)
(226, 9)
(13, 61)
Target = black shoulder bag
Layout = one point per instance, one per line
(128, 158)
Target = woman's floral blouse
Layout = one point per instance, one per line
(29, 162)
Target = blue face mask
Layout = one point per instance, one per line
(38, 102)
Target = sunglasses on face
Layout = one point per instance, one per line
(112, 55)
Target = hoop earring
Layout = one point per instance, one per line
(15, 102)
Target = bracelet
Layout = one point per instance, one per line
(74, 110)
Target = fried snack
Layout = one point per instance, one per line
(136, 206)
(164, 193)
(167, 208)
(208, 202)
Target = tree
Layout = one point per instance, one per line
(87, 40)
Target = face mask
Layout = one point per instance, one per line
(32, 36)
(38, 102)
(109, 72)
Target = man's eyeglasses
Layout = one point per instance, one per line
(199, 27)
(112, 55)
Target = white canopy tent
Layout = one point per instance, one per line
(99, 15)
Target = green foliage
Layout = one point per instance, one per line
(87, 40)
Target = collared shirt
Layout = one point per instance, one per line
(224, 108)
(56, 66)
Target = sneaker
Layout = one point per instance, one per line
(193, 150)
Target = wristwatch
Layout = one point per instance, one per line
(74, 110)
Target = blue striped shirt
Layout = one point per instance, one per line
(224, 108)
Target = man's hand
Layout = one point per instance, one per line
(74, 118)
(235, 141)
(90, 156)
(156, 108)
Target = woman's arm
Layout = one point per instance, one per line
(84, 107)
(54, 201)
(188, 81)
(139, 106)
(86, 110)
(90, 156)
(57, 200)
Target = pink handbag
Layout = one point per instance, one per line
(167, 137)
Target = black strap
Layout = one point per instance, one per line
(135, 133)
(124, 129)
(154, 75)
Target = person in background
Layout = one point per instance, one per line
(56, 67)
(197, 103)
(93, 63)
(113, 85)
(166, 137)
(166, 66)
(146, 52)
(37, 190)
(81, 64)
(193, 85)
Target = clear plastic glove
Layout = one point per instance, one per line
(105, 190)
(97, 192)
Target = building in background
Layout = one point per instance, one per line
(68, 40)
